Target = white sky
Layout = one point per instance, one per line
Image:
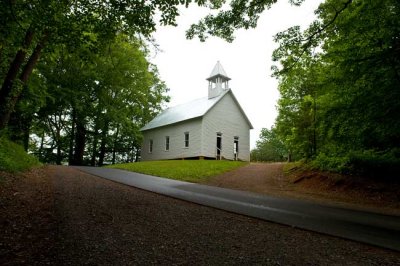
(185, 64)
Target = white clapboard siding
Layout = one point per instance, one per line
(176, 133)
(226, 118)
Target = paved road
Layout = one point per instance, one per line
(371, 228)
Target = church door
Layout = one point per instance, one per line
(219, 146)
(236, 148)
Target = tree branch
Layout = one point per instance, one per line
(309, 39)
(322, 29)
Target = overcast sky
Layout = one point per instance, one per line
(185, 64)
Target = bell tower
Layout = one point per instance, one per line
(218, 82)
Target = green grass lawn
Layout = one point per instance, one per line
(185, 170)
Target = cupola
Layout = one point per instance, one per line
(218, 82)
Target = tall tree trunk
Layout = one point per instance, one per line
(114, 145)
(26, 136)
(95, 138)
(289, 158)
(137, 155)
(16, 65)
(71, 139)
(132, 153)
(7, 87)
(41, 147)
(33, 59)
(94, 152)
(20, 121)
(9, 93)
(19, 127)
(80, 141)
(102, 152)
(58, 143)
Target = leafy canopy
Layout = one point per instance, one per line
(339, 83)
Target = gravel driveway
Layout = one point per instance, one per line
(98, 222)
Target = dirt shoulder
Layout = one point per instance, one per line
(324, 188)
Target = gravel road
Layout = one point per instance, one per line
(98, 222)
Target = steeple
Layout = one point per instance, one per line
(218, 81)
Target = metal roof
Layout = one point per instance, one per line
(193, 109)
(218, 71)
(182, 112)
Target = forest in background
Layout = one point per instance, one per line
(339, 82)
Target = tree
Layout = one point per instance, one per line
(28, 27)
(241, 14)
(269, 147)
(297, 120)
(119, 91)
(339, 83)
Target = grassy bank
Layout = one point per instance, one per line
(13, 157)
(185, 170)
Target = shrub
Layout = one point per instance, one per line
(13, 157)
(378, 165)
(367, 163)
(332, 163)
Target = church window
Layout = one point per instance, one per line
(186, 139)
(150, 146)
(167, 143)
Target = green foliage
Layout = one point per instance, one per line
(339, 83)
(269, 148)
(95, 103)
(241, 14)
(13, 158)
(366, 163)
(331, 163)
(185, 170)
(31, 29)
(379, 165)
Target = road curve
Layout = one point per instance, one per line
(371, 228)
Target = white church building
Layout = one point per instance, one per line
(213, 127)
